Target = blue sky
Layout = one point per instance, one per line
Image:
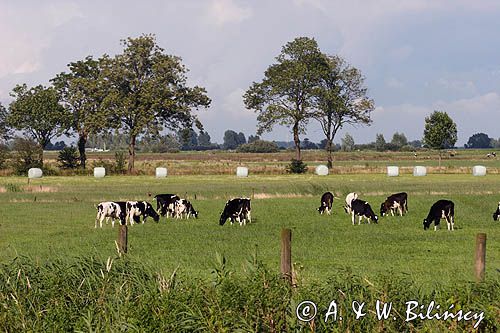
(417, 56)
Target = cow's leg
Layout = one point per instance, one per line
(102, 219)
(112, 222)
(97, 219)
(353, 221)
(360, 218)
(452, 222)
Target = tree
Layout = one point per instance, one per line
(148, 91)
(399, 140)
(285, 95)
(307, 144)
(440, 132)
(81, 92)
(241, 138)
(230, 140)
(380, 144)
(341, 98)
(479, 140)
(347, 142)
(36, 111)
(188, 139)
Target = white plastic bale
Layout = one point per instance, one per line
(161, 172)
(392, 171)
(99, 172)
(419, 171)
(242, 172)
(479, 170)
(322, 170)
(35, 173)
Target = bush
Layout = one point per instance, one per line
(120, 162)
(68, 158)
(258, 146)
(296, 166)
(27, 155)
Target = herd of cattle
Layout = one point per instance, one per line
(172, 205)
(239, 210)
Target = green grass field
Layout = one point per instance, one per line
(54, 217)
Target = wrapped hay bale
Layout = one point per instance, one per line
(392, 171)
(161, 172)
(35, 173)
(322, 170)
(242, 172)
(419, 171)
(99, 172)
(479, 170)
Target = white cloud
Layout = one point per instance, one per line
(227, 11)
(393, 82)
(457, 85)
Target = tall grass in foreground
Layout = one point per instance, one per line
(86, 295)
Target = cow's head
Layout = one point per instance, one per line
(321, 209)
(383, 209)
(496, 215)
(151, 212)
(347, 209)
(427, 224)
(223, 217)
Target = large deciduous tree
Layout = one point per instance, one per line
(285, 95)
(148, 91)
(440, 132)
(82, 92)
(341, 98)
(37, 112)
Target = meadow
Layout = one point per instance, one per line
(54, 217)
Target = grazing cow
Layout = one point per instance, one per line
(165, 204)
(441, 209)
(326, 203)
(110, 210)
(362, 209)
(397, 201)
(237, 209)
(136, 209)
(348, 199)
(184, 208)
(496, 214)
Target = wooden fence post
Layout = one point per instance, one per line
(480, 264)
(286, 254)
(122, 239)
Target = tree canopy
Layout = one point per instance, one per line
(479, 140)
(285, 95)
(36, 111)
(147, 91)
(82, 91)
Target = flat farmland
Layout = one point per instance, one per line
(53, 218)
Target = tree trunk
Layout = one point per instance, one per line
(329, 152)
(82, 140)
(131, 154)
(296, 140)
(439, 160)
(40, 157)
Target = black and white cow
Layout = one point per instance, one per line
(237, 209)
(326, 203)
(441, 209)
(110, 210)
(362, 209)
(496, 214)
(136, 209)
(348, 199)
(183, 207)
(397, 201)
(165, 204)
